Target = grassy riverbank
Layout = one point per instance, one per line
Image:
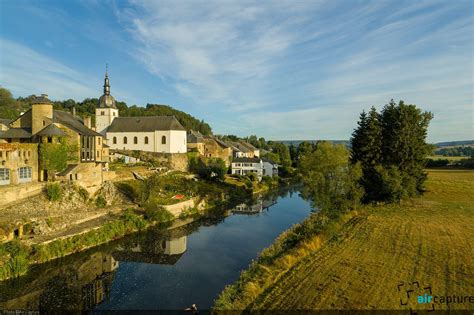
(357, 262)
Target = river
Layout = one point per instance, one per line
(166, 269)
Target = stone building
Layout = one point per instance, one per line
(195, 142)
(216, 148)
(42, 125)
(162, 134)
(18, 163)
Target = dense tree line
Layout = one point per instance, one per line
(457, 151)
(10, 108)
(391, 148)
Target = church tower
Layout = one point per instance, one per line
(106, 110)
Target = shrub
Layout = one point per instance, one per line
(437, 163)
(84, 194)
(100, 202)
(54, 192)
(156, 213)
(252, 177)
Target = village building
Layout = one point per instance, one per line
(19, 153)
(216, 148)
(243, 149)
(162, 134)
(195, 142)
(246, 166)
(270, 168)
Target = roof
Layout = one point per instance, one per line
(16, 133)
(51, 130)
(68, 170)
(243, 146)
(248, 146)
(268, 161)
(222, 143)
(145, 124)
(194, 137)
(246, 160)
(5, 122)
(73, 122)
(42, 99)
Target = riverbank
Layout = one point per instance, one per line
(149, 198)
(358, 261)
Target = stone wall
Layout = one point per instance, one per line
(173, 161)
(16, 193)
(178, 208)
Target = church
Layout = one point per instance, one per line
(162, 134)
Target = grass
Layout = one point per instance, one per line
(449, 158)
(358, 262)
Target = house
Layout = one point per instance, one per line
(41, 124)
(162, 134)
(244, 149)
(270, 168)
(245, 166)
(216, 148)
(195, 142)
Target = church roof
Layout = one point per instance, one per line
(106, 100)
(145, 124)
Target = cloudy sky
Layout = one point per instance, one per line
(278, 69)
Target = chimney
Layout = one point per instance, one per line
(88, 122)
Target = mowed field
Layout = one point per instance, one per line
(428, 240)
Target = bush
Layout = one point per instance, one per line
(54, 192)
(100, 202)
(84, 194)
(155, 213)
(437, 163)
(253, 177)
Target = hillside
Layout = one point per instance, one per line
(10, 108)
(427, 239)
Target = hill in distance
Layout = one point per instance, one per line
(11, 108)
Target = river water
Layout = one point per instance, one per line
(161, 268)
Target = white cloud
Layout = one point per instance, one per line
(25, 72)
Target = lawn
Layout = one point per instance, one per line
(427, 239)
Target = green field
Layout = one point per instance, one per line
(428, 239)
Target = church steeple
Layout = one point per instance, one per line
(106, 100)
(106, 81)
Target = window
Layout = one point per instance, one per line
(124, 140)
(1, 154)
(146, 140)
(102, 113)
(24, 174)
(114, 113)
(4, 176)
(99, 140)
(135, 140)
(163, 140)
(50, 139)
(98, 153)
(114, 140)
(44, 123)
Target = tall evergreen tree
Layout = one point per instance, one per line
(391, 148)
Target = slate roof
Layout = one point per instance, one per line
(222, 143)
(145, 124)
(16, 133)
(68, 170)
(246, 160)
(194, 137)
(51, 130)
(5, 122)
(73, 123)
(269, 161)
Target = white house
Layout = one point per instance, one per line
(269, 168)
(245, 166)
(152, 133)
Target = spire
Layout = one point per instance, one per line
(106, 81)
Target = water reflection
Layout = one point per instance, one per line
(84, 280)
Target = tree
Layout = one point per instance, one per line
(331, 182)
(391, 148)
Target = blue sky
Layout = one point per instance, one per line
(278, 69)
